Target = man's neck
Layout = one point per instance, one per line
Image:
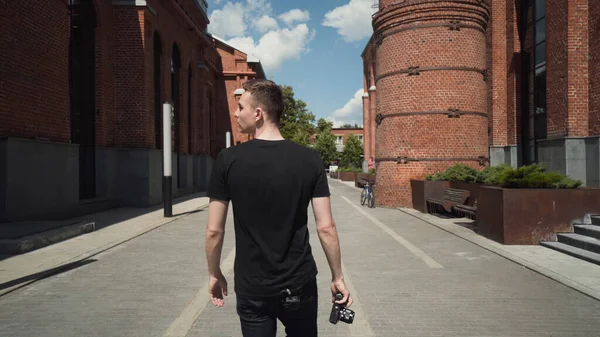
(268, 132)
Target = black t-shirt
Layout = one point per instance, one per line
(270, 185)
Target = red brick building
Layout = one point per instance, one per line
(480, 83)
(83, 83)
(238, 67)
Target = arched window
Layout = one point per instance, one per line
(82, 87)
(189, 109)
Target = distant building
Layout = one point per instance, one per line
(83, 87)
(341, 135)
(238, 67)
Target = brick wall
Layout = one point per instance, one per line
(594, 68)
(568, 64)
(236, 71)
(368, 119)
(35, 73)
(429, 136)
(105, 76)
(132, 104)
(578, 55)
(34, 68)
(503, 59)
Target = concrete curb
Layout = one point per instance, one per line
(43, 239)
(498, 249)
(69, 261)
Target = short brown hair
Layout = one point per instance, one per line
(268, 96)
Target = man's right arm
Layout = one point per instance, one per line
(328, 236)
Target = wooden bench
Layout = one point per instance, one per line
(451, 198)
(466, 210)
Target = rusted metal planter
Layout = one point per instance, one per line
(528, 216)
(473, 188)
(425, 189)
(347, 176)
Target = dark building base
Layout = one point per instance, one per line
(579, 158)
(504, 155)
(39, 180)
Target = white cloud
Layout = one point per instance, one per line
(229, 21)
(265, 24)
(258, 8)
(351, 112)
(276, 46)
(294, 15)
(352, 21)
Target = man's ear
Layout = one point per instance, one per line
(259, 114)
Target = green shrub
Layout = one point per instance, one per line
(458, 172)
(491, 174)
(536, 176)
(529, 176)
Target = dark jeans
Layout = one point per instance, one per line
(297, 312)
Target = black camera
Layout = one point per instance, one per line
(339, 312)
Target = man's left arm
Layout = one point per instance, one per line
(215, 233)
(215, 229)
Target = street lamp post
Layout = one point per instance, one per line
(167, 162)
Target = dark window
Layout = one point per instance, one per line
(82, 87)
(539, 99)
(540, 9)
(189, 109)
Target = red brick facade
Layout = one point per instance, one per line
(594, 67)
(34, 91)
(516, 89)
(84, 81)
(238, 67)
(414, 118)
(36, 73)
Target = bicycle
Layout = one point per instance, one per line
(367, 195)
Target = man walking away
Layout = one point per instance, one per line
(270, 182)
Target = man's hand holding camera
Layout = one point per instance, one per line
(339, 287)
(341, 299)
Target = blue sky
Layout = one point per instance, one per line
(312, 45)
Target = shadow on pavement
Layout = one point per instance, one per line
(22, 229)
(46, 273)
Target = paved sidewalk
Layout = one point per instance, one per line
(113, 227)
(573, 272)
(409, 278)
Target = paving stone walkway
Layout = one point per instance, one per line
(409, 278)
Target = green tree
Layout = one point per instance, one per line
(353, 149)
(325, 141)
(350, 126)
(297, 122)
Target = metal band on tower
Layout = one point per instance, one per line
(432, 91)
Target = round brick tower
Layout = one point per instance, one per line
(431, 91)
